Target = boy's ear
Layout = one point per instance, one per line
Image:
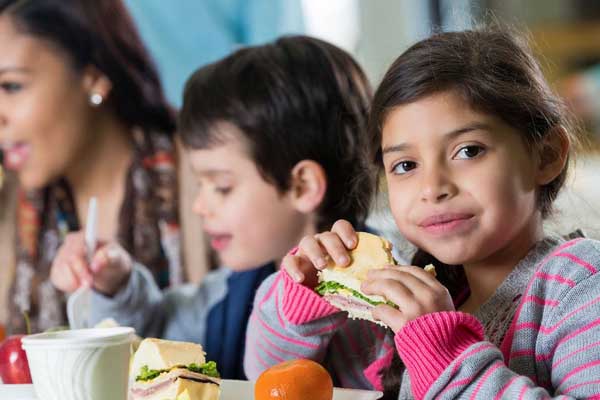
(309, 185)
(553, 156)
(96, 82)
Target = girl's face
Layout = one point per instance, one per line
(44, 108)
(248, 222)
(462, 184)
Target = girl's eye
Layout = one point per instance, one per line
(403, 167)
(11, 87)
(468, 152)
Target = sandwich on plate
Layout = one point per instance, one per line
(168, 370)
(340, 286)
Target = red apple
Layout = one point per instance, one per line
(14, 367)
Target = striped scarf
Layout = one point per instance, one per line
(148, 229)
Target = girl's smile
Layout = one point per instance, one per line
(447, 223)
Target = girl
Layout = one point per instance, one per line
(82, 114)
(276, 137)
(474, 146)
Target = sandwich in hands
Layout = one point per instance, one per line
(168, 370)
(340, 286)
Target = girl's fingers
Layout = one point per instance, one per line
(310, 248)
(389, 316)
(346, 232)
(334, 246)
(300, 269)
(291, 265)
(393, 290)
(426, 277)
(414, 282)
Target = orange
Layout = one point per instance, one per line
(294, 380)
(2, 333)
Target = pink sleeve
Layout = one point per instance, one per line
(429, 344)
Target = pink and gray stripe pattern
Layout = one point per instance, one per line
(551, 349)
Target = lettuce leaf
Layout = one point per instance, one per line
(332, 287)
(208, 369)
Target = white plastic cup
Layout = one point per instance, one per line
(80, 364)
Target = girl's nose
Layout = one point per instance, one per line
(437, 186)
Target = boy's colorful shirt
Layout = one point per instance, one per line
(551, 345)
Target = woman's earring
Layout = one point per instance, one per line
(96, 99)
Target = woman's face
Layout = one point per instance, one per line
(45, 116)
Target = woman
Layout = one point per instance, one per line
(82, 114)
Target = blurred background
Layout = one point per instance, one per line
(183, 34)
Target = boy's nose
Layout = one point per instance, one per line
(200, 207)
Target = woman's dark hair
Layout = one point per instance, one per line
(298, 98)
(100, 33)
(495, 73)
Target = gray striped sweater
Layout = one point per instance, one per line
(551, 348)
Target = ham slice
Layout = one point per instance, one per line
(149, 389)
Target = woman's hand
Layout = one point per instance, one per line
(415, 292)
(107, 272)
(314, 253)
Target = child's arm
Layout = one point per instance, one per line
(553, 346)
(137, 304)
(179, 313)
(288, 321)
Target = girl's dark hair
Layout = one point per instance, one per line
(298, 98)
(100, 33)
(495, 73)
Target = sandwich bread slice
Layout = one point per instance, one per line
(340, 286)
(169, 370)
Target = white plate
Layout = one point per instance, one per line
(236, 390)
(232, 390)
(17, 392)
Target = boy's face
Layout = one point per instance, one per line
(462, 184)
(248, 222)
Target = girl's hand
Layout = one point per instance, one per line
(415, 291)
(108, 270)
(314, 253)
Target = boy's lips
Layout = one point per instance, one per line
(16, 154)
(446, 222)
(219, 241)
